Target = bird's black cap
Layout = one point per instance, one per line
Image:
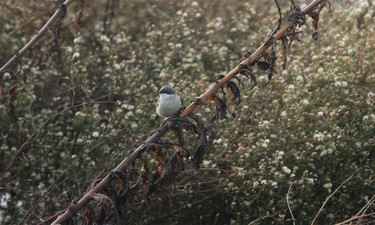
(167, 90)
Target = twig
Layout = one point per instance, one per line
(362, 212)
(330, 196)
(288, 203)
(355, 218)
(364, 208)
(52, 217)
(262, 218)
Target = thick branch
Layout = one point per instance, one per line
(154, 138)
(36, 36)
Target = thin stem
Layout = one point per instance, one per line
(288, 203)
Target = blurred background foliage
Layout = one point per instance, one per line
(312, 125)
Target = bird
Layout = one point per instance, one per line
(169, 102)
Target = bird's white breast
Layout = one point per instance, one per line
(168, 105)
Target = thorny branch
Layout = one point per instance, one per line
(151, 142)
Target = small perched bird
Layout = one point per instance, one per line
(169, 102)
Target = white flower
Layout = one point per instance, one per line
(337, 84)
(76, 55)
(319, 136)
(4, 199)
(116, 66)
(60, 134)
(223, 51)
(305, 101)
(133, 124)
(320, 70)
(179, 13)
(286, 170)
(206, 163)
(218, 141)
(95, 134)
(77, 40)
(118, 40)
(370, 94)
(283, 114)
(320, 113)
(327, 185)
(310, 180)
(178, 45)
(344, 83)
(68, 49)
(299, 78)
(104, 38)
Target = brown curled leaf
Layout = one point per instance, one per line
(271, 58)
(46, 52)
(80, 12)
(38, 55)
(315, 17)
(315, 35)
(221, 107)
(107, 213)
(87, 215)
(202, 140)
(235, 91)
(263, 65)
(285, 48)
(12, 98)
(177, 163)
(59, 20)
(236, 95)
(248, 72)
(197, 120)
(239, 81)
(2, 93)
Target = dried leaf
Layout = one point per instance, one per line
(285, 48)
(39, 57)
(12, 98)
(2, 93)
(221, 107)
(80, 12)
(263, 65)
(315, 35)
(248, 72)
(272, 60)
